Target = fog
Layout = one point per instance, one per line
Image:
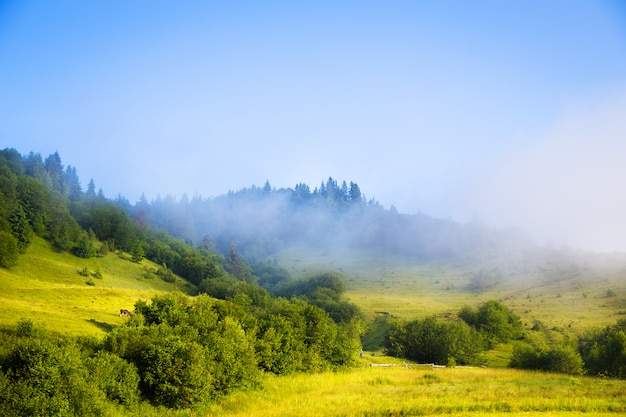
(569, 188)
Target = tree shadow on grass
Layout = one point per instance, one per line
(101, 325)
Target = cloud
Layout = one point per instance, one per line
(569, 188)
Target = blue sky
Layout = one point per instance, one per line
(505, 111)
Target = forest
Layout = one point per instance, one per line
(250, 317)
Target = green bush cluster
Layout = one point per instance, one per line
(562, 359)
(43, 374)
(431, 340)
(175, 352)
(604, 351)
(460, 342)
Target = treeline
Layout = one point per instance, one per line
(263, 220)
(476, 330)
(175, 352)
(40, 197)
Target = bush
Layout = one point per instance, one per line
(84, 248)
(494, 321)
(48, 377)
(430, 340)
(8, 250)
(560, 359)
(604, 352)
(117, 378)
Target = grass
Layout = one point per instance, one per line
(566, 292)
(566, 296)
(398, 391)
(46, 287)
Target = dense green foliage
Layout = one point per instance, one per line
(175, 351)
(44, 198)
(451, 342)
(435, 341)
(461, 342)
(494, 321)
(604, 352)
(563, 359)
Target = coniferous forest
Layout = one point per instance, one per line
(249, 317)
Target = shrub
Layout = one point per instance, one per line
(48, 377)
(84, 248)
(560, 359)
(8, 250)
(494, 321)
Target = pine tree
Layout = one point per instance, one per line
(55, 170)
(72, 184)
(91, 188)
(355, 193)
(21, 229)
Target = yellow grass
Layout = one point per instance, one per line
(398, 391)
(46, 288)
(566, 292)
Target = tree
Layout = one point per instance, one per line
(561, 359)
(21, 229)
(137, 252)
(54, 167)
(430, 340)
(604, 352)
(8, 250)
(492, 319)
(35, 168)
(237, 267)
(174, 372)
(84, 248)
(355, 193)
(34, 199)
(72, 186)
(267, 188)
(91, 188)
(13, 160)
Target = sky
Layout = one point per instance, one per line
(512, 113)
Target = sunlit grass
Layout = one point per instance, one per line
(46, 287)
(398, 391)
(568, 295)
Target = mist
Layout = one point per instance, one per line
(567, 189)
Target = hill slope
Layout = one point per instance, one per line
(47, 288)
(566, 290)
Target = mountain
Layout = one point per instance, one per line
(262, 220)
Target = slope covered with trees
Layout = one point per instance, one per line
(263, 220)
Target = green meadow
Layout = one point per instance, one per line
(47, 288)
(565, 291)
(567, 295)
(423, 391)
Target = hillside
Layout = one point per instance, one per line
(227, 292)
(559, 289)
(47, 288)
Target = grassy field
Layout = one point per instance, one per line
(46, 287)
(564, 291)
(567, 294)
(421, 390)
